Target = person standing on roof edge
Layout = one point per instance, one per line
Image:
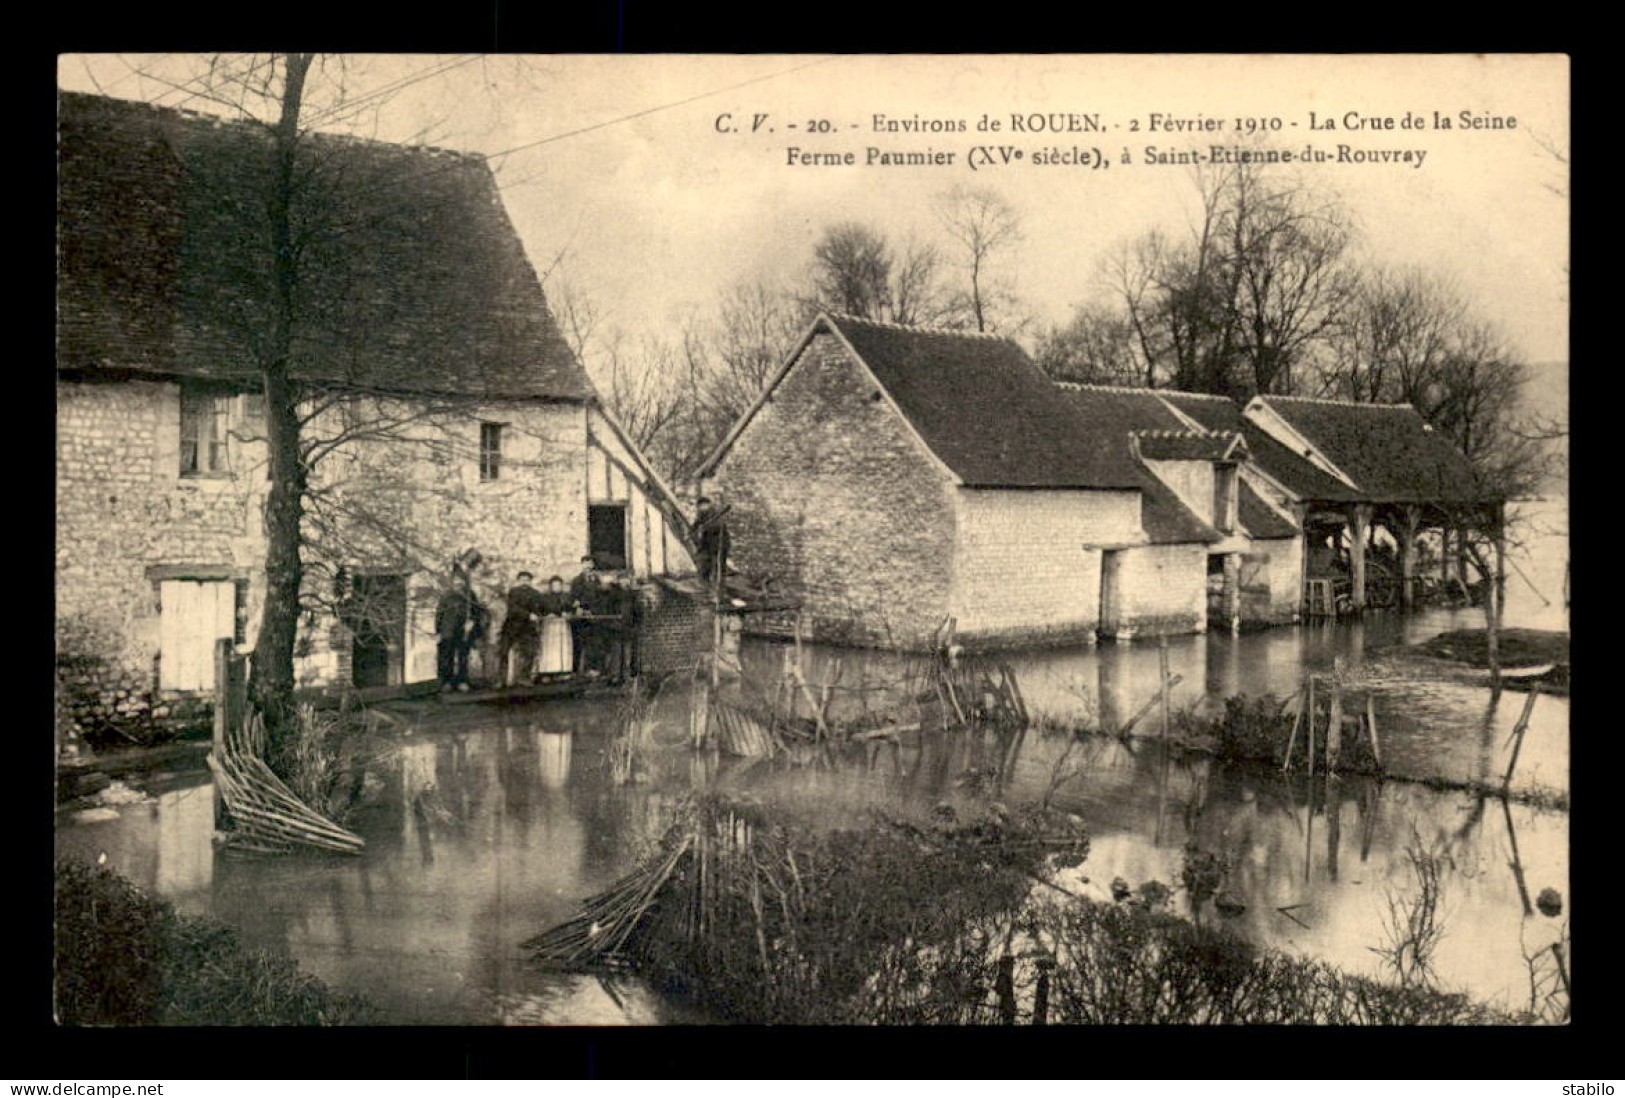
(711, 540)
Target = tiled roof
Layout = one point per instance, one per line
(1292, 471)
(414, 279)
(1260, 519)
(1113, 415)
(1386, 449)
(1191, 445)
(986, 409)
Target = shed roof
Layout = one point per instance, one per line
(986, 409)
(1115, 415)
(414, 279)
(1386, 449)
(1277, 460)
(1260, 519)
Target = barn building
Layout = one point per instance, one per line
(893, 479)
(445, 410)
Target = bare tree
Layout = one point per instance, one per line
(984, 227)
(298, 245)
(1249, 295)
(856, 271)
(1096, 346)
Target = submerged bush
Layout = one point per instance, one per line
(957, 923)
(125, 958)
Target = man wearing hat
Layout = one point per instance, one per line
(587, 595)
(521, 629)
(459, 622)
(711, 540)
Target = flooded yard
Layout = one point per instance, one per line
(486, 825)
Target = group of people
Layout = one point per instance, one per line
(587, 628)
(584, 629)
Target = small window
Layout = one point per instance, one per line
(203, 432)
(490, 451)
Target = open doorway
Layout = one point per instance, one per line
(377, 619)
(606, 535)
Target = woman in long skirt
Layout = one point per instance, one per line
(557, 656)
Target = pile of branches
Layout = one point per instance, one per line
(266, 816)
(893, 923)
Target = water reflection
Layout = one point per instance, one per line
(485, 827)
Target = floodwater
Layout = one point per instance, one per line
(485, 825)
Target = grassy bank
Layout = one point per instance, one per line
(124, 958)
(1517, 647)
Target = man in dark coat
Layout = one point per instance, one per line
(521, 629)
(711, 540)
(587, 595)
(459, 623)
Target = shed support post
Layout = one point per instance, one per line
(1359, 527)
(1409, 519)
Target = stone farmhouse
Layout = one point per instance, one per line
(444, 410)
(894, 478)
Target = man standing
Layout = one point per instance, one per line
(587, 595)
(711, 539)
(459, 623)
(521, 629)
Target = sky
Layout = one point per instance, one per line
(664, 179)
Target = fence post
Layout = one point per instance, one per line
(224, 695)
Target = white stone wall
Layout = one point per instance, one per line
(1192, 482)
(1164, 589)
(1285, 576)
(1027, 563)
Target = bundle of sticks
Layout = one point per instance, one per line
(266, 815)
(598, 934)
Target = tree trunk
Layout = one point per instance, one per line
(272, 682)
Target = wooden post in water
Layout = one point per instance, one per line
(1371, 727)
(1005, 986)
(1291, 740)
(224, 716)
(1162, 668)
(1334, 718)
(1518, 731)
(1309, 726)
(1046, 965)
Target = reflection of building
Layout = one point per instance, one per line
(425, 356)
(892, 478)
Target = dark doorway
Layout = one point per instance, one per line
(606, 535)
(377, 618)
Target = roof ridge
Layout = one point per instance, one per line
(216, 121)
(1184, 432)
(1093, 387)
(919, 329)
(1334, 400)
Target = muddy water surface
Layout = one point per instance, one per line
(486, 825)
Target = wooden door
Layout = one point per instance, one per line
(192, 615)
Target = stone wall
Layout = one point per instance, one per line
(1164, 589)
(123, 510)
(833, 493)
(1028, 566)
(126, 518)
(1285, 579)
